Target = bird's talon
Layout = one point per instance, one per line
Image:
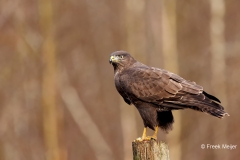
(150, 137)
(153, 137)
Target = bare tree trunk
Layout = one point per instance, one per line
(217, 35)
(50, 119)
(170, 58)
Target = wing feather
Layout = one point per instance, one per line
(155, 85)
(167, 89)
(173, 87)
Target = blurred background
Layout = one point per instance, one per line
(57, 95)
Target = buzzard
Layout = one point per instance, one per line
(156, 92)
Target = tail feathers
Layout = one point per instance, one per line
(206, 105)
(220, 113)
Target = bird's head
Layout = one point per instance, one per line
(121, 59)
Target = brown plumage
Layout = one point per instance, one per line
(156, 92)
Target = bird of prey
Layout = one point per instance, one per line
(156, 92)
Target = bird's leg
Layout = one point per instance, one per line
(144, 133)
(154, 136)
(145, 137)
(155, 133)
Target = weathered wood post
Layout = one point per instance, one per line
(150, 150)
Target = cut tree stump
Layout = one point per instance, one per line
(150, 150)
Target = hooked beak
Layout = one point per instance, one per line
(113, 59)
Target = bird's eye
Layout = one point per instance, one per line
(121, 56)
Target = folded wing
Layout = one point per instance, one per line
(169, 91)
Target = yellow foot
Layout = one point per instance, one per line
(147, 138)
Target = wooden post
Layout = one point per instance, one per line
(150, 150)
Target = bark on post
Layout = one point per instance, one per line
(150, 150)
